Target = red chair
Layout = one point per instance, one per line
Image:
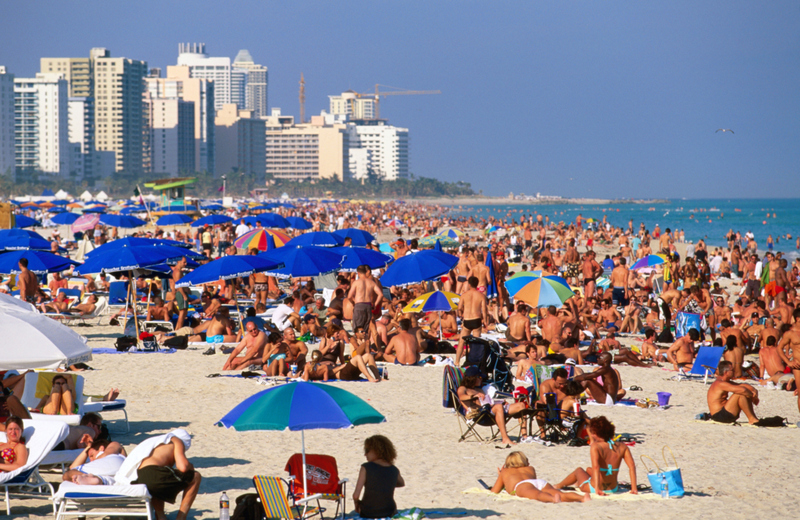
(323, 477)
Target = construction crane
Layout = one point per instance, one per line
(302, 99)
(397, 92)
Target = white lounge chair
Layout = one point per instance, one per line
(100, 310)
(81, 501)
(30, 399)
(40, 439)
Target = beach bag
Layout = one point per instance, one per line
(124, 343)
(672, 474)
(177, 342)
(248, 507)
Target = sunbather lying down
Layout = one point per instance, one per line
(518, 477)
(61, 400)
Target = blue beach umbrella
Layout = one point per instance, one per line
(64, 218)
(212, 220)
(418, 267)
(491, 290)
(143, 242)
(173, 219)
(213, 207)
(356, 256)
(273, 220)
(299, 223)
(227, 268)
(359, 237)
(128, 259)
(40, 262)
(22, 221)
(437, 246)
(56, 210)
(17, 243)
(121, 221)
(315, 238)
(303, 261)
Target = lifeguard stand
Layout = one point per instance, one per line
(173, 196)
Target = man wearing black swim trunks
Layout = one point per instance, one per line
(724, 409)
(473, 310)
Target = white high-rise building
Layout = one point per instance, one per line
(41, 109)
(388, 146)
(230, 85)
(81, 136)
(256, 84)
(6, 122)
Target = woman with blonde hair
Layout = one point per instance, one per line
(518, 477)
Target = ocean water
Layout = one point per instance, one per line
(709, 219)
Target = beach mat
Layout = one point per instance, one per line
(502, 496)
(623, 402)
(115, 351)
(746, 424)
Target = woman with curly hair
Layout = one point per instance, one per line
(378, 478)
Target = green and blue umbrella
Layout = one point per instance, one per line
(520, 280)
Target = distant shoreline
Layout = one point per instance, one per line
(501, 201)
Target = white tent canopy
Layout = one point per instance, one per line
(102, 196)
(86, 196)
(35, 341)
(63, 195)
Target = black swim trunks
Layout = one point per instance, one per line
(723, 416)
(362, 315)
(164, 483)
(475, 324)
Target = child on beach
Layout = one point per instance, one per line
(518, 477)
(378, 478)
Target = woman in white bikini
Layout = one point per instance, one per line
(518, 477)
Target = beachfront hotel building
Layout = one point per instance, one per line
(255, 84)
(7, 160)
(352, 105)
(315, 150)
(171, 135)
(41, 124)
(387, 145)
(239, 142)
(179, 84)
(230, 82)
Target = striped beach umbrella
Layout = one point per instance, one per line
(544, 291)
(257, 239)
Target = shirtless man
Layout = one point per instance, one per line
(254, 341)
(480, 271)
(609, 316)
(27, 282)
(474, 314)
(366, 297)
(181, 294)
(551, 325)
(220, 329)
(260, 283)
(403, 348)
(472, 398)
(611, 390)
(59, 306)
(791, 342)
(665, 241)
(158, 311)
(619, 281)
(681, 353)
(773, 366)
(572, 261)
(296, 351)
(726, 410)
(165, 472)
(519, 325)
(591, 270)
(462, 271)
(555, 385)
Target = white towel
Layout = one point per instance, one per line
(129, 471)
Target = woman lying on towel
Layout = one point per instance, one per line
(13, 453)
(607, 456)
(518, 477)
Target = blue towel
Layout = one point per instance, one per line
(115, 351)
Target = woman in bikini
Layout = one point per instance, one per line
(607, 456)
(518, 477)
(13, 453)
(61, 400)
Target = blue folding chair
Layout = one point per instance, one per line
(705, 363)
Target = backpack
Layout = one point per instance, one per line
(124, 343)
(248, 507)
(176, 342)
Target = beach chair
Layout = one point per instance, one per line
(39, 384)
(557, 425)
(469, 428)
(322, 475)
(73, 500)
(275, 500)
(100, 309)
(41, 437)
(705, 364)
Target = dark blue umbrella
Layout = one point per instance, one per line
(56, 210)
(21, 221)
(59, 202)
(418, 267)
(95, 209)
(14, 232)
(174, 219)
(359, 237)
(303, 261)
(121, 221)
(437, 246)
(212, 207)
(40, 262)
(128, 259)
(212, 220)
(356, 256)
(273, 220)
(226, 268)
(132, 209)
(299, 223)
(17, 243)
(491, 290)
(64, 218)
(142, 242)
(315, 238)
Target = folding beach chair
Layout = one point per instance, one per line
(468, 427)
(705, 364)
(322, 475)
(100, 309)
(275, 500)
(41, 437)
(558, 425)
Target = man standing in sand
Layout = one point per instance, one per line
(726, 410)
(27, 282)
(254, 341)
(403, 348)
(181, 294)
(591, 270)
(481, 271)
(619, 282)
(366, 297)
(474, 314)
(572, 261)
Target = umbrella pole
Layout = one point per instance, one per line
(127, 302)
(305, 471)
(440, 325)
(147, 308)
(135, 314)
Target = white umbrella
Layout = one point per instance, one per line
(35, 341)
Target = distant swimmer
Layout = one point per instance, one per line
(725, 130)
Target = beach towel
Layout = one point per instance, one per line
(503, 495)
(621, 402)
(685, 321)
(115, 351)
(128, 472)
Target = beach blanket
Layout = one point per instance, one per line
(746, 424)
(115, 351)
(622, 402)
(502, 496)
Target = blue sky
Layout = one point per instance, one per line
(598, 99)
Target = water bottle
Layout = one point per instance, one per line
(664, 487)
(224, 507)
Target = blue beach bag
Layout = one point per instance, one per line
(671, 472)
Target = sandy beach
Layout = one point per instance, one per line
(729, 471)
